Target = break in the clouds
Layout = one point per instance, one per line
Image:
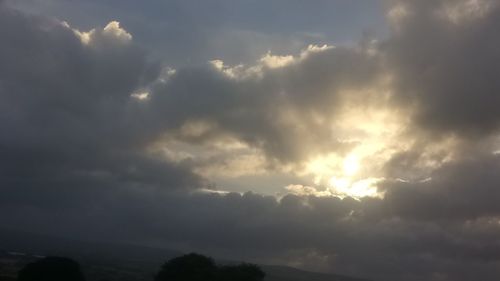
(376, 156)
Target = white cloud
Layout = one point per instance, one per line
(113, 29)
(304, 190)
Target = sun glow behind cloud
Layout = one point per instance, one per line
(373, 133)
(363, 133)
(367, 134)
(369, 130)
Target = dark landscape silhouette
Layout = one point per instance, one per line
(190, 267)
(97, 261)
(196, 267)
(51, 269)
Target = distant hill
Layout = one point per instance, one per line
(286, 273)
(121, 262)
(100, 261)
(49, 245)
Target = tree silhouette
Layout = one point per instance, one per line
(51, 269)
(195, 267)
(191, 267)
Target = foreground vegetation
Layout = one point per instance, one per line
(190, 267)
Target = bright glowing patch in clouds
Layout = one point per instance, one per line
(363, 123)
(304, 190)
(140, 95)
(374, 133)
(350, 165)
(113, 29)
(276, 61)
(268, 60)
(357, 189)
(84, 36)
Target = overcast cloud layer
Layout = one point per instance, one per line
(376, 159)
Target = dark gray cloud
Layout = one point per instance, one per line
(445, 60)
(67, 117)
(75, 159)
(467, 189)
(257, 227)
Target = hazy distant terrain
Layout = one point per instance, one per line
(115, 261)
(285, 273)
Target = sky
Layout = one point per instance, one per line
(354, 137)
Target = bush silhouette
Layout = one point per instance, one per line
(51, 269)
(195, 267)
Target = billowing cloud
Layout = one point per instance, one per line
(67, 116)
(279, 105)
